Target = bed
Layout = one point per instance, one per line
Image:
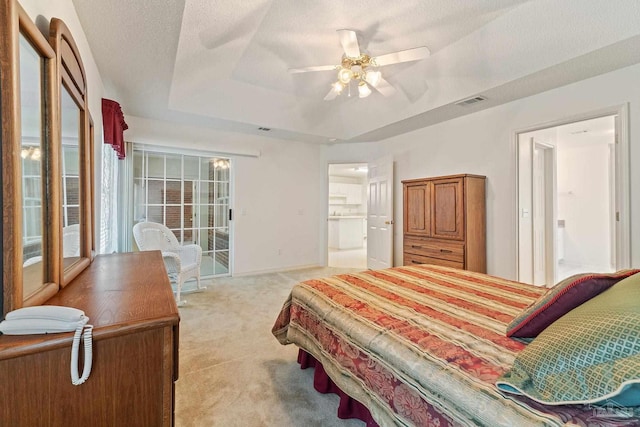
(424, 345)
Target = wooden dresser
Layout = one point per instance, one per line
(129, 300)
(444, 222)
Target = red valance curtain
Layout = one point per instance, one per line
(113, 125)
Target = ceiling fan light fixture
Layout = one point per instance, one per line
(363, 90)
(373, 77)
(345, 75)
(338, 87)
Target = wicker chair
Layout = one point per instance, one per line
(182, 261)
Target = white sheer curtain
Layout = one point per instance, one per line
(125, 201)
(109, 200)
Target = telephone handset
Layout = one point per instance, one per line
(47, 319)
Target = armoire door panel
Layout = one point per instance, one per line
(448, 209)
(417, 215)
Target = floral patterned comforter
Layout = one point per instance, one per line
(419, 345)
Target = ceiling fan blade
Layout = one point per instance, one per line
(385, 88)
(414, 54)
(349, 42)
(331, 95)
(315, 68)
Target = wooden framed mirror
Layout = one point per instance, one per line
(74, 182)
(47, 167)
(26, 105)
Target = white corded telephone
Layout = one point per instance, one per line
(46, 319)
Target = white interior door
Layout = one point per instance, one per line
(539, 216)
(380, 214)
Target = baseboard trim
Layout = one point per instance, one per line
(276, 270)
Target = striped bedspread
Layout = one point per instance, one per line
(419, 345)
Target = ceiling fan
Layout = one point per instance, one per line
(361, 68)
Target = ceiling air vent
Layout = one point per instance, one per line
(470, 101)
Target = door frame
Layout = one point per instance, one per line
(622, 179)
(548, 153)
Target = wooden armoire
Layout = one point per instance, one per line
(445, 222)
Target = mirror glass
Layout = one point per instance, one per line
(70, 118)
(31, 72)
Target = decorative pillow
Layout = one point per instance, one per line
(562, 298)
(589, 355)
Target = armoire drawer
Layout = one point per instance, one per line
(441, 250)
(411, 259)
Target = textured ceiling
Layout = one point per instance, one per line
(223, 64)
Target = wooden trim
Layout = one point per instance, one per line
(71, 76)
(462, 175)
(14, 21)
(92, 181)
(11, 173)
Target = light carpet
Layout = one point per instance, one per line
(233, 372)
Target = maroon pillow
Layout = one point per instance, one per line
(561, 299)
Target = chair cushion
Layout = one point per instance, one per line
(589, 355)
(562, 298)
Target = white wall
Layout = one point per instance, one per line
(484, 143)
(583, 200)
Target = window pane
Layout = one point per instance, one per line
(31, 190)
(177, 233)
(156, 214)
(221, 169)
(207, 267)
(188, 216)
(156, 192)
(222, 262)
(206, 169)
(191, 169)
(139, 196)
(174, 193)
(72, 190)
(222, 239)
(71, 163)
(188, 192)
(221, 216)
(155, 165)
(188, 236)
(222, 192)
(206, 192)
(205, 214)
(204, 242)
(137, 163)
(174, 166)
(173, 219)
(73, 215)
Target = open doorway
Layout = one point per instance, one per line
(569, 188)
(347, 215)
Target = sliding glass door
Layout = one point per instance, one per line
(190, 194)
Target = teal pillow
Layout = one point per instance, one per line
(589, 355)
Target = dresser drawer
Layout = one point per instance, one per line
(443, 250)
(411, 259)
